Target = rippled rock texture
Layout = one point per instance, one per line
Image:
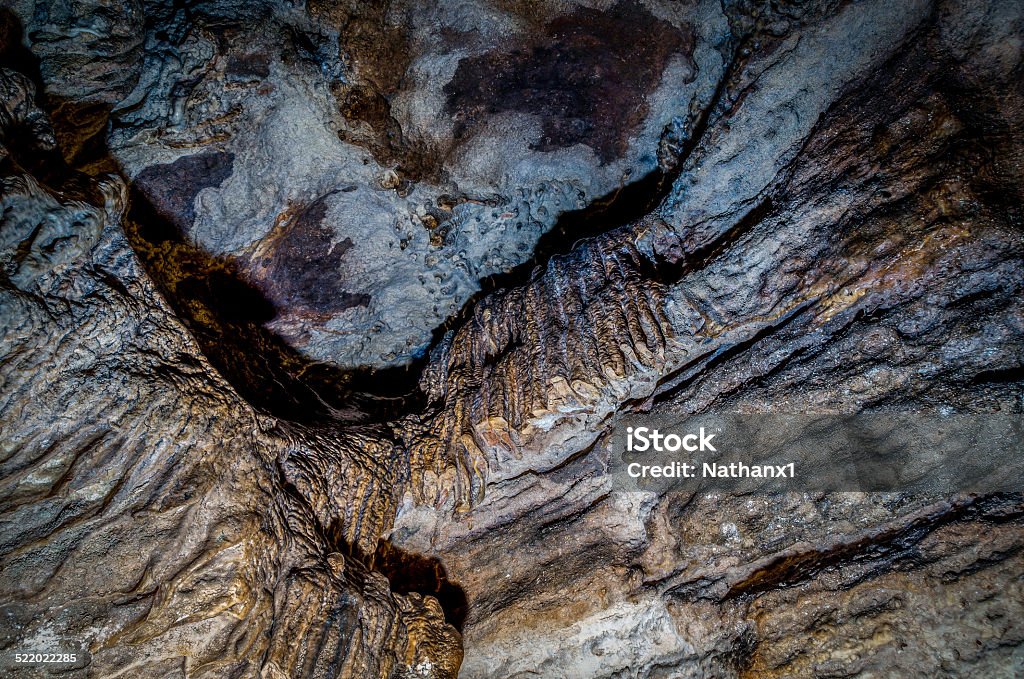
(316, 317)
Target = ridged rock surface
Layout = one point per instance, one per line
(316, 321)
(151, 519)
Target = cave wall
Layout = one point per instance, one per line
(317, 319)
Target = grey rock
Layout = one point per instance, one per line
(215, 464)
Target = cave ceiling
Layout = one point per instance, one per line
(320, 317)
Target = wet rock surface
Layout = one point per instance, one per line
(317, 318)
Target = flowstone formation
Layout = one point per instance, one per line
(317, 318)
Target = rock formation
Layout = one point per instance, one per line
(317, 318)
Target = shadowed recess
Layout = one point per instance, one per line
(408, 572)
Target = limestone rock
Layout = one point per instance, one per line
(365, 168)
(152, 521)
(317, 319)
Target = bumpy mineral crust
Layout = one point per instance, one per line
(315, 317)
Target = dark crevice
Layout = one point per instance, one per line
(625, 205)
(671, 272)
(13, 53)
(408, 572)
(228, 317)
(1000, 376)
